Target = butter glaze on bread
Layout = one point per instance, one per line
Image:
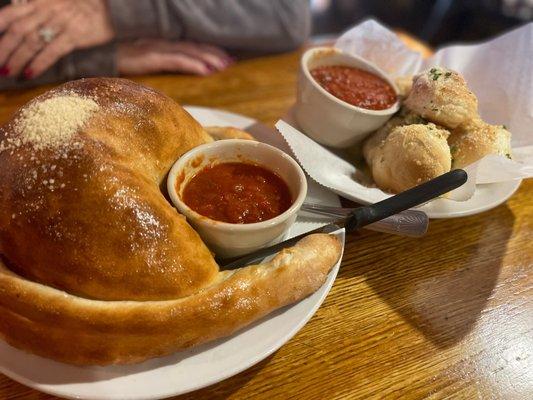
(442, 96)
(475, 139)
(409, 156)
(73, 329)
(97, 257)
(108, 233)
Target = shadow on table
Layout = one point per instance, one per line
(440, 284)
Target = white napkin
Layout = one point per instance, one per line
(499, 72)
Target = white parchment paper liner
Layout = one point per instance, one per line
(499, 72)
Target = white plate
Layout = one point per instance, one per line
(191, 369)
(486, 196)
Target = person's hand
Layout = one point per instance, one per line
(149, 56)
(38, 33)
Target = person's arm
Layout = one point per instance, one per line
(96, 61)
(242, 25)
(51, 40)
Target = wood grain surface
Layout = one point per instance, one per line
(449, 315)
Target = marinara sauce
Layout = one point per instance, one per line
(238, 193)
(355, 86)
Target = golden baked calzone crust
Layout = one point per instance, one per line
(98, 267)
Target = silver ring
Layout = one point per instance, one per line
(47, 34)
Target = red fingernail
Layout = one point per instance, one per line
(4, 71)
(28, 73)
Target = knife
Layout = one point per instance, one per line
(412, 223)
(365, 215)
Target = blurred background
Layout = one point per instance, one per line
(46, 41)
(437, 22)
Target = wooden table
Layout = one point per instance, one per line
(446, 316)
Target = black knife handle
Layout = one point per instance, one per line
(410, 198)
(366, 215)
